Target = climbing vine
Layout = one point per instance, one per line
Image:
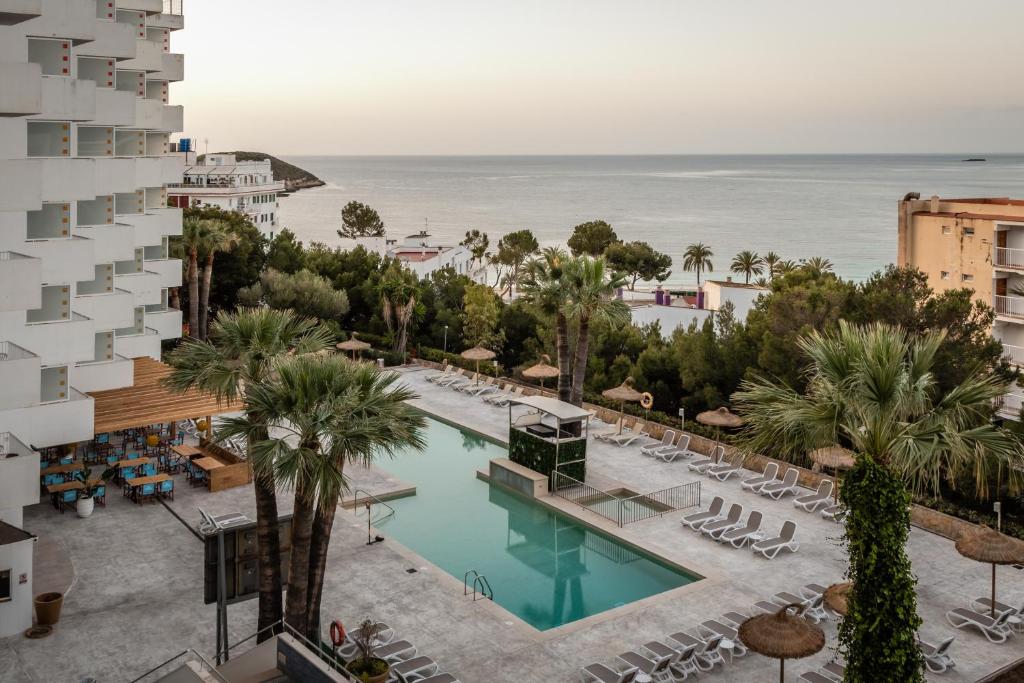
(878, 637)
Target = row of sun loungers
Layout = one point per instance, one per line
(407, 666)
(729, 528)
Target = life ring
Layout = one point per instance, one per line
(337, 633)
(646, 400)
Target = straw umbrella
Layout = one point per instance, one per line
(622, 393)
(836, 457)
(718, 419)
(541, 370)
(353, 345)
(478, 353)
(837, 597)
(989, 545)
(782, 636)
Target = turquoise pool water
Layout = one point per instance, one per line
(543, 567)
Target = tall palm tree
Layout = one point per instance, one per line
(399, 292)
(817, 265)
(748, 263)
(218, 238)
(321, 413)
(590, 296)
(770, 260)
(872, 389)
(784, 267)
(543, 286)
(697, 257)
(241, 352)
(194, 235)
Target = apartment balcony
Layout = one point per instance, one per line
(21, 282)
(19, 376)
(114, 107)
(172, 168)
(138, 345)
(165, 321)
(170, 221)
(67, 179)
(147, 226)
(16, 11)
(149, 114)
(108, 311)
(19, 478)
(115, 242)
(52, 424)
(148, 56)
(103, 375)
(67, 99)
(1014, 354)
(115, 176)
(73, 20)
(63, 259)
(22, 94)
(173, 68)
(57, 342)
(171, 17)
(1004, 258)
(227, 188)
(113, 40)
(1010, 406)
(1009, 308)
(168, 269)
(173, 118)
(147, 6)
(145, 288)
(21, 184)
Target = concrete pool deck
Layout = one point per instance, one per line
(136, 598)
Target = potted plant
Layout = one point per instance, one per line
(366, 666)
(86, 495)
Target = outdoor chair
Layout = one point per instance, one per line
(820, 498)
(445, 371)
(995, 630)
(717, 527)
(815, 677)
(738, 536)
(714, 627)
(708, 653)
(68, 499)
(459, 374)
(414, 669)
(773, 546)
(628, 436)
(604, 434)
(667, 443)
(812, 590)
(986, 605)
(703, 465)
(599, 673)
(396, 651)
(145, 492)
(657, 667)
(101, 495)
(723, 471)
(735, 618)
(814, 608)
(771, 470)
(777, 489)
(837, 513)
(936, 657)
(167, 488)
(681, 450)
(698, 519)
(504, 401)
(835, 671)
(385, 635)
(503, 391)
(487, 387)
(461, 381)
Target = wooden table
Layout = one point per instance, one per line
(134, 484)
(76, 485)
(61, 469)
(132, 463)
(207, 463)
(186, 451)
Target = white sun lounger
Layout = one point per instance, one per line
(814, 608)
(815, 677)
(738, 536)
(474, 385)
(705, 654)
(458, 375)
(681, 450)
(505, 390)
(715, 458)
(439, 678)
(714, 627)
(487, 387)
(723, 471)
(414, 669)
(984, 605)
(396, 651)
(777, 489)
(936, 657)
(385, 636)
(820, 498)
(445, 371)
(812, 590)
(771, 470)
(655, 666)
(996, 630)
(773, 546)
(735, 618)
(666, 444)
(717, 527)
(614, 430)
(698, 519)
(655, 649)
(630, 435)
(599, 673)
(837, 513)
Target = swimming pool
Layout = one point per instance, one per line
(543, 566)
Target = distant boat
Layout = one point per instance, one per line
(976, 159)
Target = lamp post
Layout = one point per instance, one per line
(446, 339)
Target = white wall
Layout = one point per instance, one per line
(742, 298)
(19, 486)
(16, 615)
(670, 317)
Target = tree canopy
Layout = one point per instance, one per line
(514, 250)
(638, 261)
(360, 220)
(591, 238)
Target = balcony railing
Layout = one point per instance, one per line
(174, 7)
(1004, 257)
(1009, 306)
(11, 351)
(12, 445)
(1010, 405)
(1015, 354)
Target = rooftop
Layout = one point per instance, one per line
(12, 534)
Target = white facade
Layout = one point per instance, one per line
(418, 254)
(85, 121)
(221, 180)
(682, 314)
(16, 580)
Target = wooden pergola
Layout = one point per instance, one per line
(148, 401)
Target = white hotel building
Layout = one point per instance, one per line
(85, 122)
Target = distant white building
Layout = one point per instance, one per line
(683, 311)
(417, 254)
(221, 180)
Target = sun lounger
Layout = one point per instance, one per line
(717, 527)
(628, 436)
(656, 667)
(385, 635)
(815, 677)
(936, 657)
(996, 630)
(599, 673)
(814, 608)
(777, 489)
(658, 650)
(666, 444)
(820, 498)
(439, 678)
(698, 519)
(834, 512)
(754, 484)
(766, 607)
(445, 371)
(984, 605)
(458, 375)
(723, 471)
(506, 390)
(703, 465)
(708, 654)
(683, 663)
(614, 430)
(414, 669)
(461, 381)
(773, 546)
(705, 652)
(475, 385)
(504, 400)
(396, 651)
(835, 671)
(483, 389)
(738, 536)
(812, 590)
(681, 450)
(713, 627)
(735, 618)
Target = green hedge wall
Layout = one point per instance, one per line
(540, 455)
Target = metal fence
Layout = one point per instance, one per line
(625, 509)
(173, 7)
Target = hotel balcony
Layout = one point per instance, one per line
(1010, 405)
(73, 20)
(21, 184)
(114, 107)
(114, 242)
(138, 345)
(102, 375)
(147, 6)
(145, 287)
(57, 342)
(1004, 258)
(1009, 308)
(171, 17)
(173, 68)
(52, 424)
(168, 269)
(63, 259)
(148, 57)
(113, 39)
(19, 375)
(19, 478)
(21, 282)
(67, 179)
(22, 94)
(114, 176)
(16, 11)
(165, 321)
(108, 311)
(172, 118)
(67, 99)
(148, 114)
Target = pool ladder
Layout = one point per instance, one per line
(369, 500)
(481, 586)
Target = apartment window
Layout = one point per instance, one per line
(946, 230)
(944, 275)
(968, 232)
(967, 278)
(5, 585)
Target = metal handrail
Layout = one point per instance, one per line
(212, 669)
(375, 499)
(623, 510)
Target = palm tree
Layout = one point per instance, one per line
(872, 389)
(242, 350)
(217, 238)
(784, 267)
(771, 259)
(194, 233)
(748, 263)
(590, 296)
(697, 257)
(816, 265)
(322, 412)
(399, 291)
(543, 286)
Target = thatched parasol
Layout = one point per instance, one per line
(836, 457)
(353, 345)
(782, 636)
(837, 597)
(989, 545)
(541, 370)
(622, 393)
(478, 353)
(719, 418)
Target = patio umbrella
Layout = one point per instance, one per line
(836, 457)
(837, 597)
(782, 636)
(718, 419)
(541, 370)
(989, 545)
(353, 345)
(622, 393)
(478, 353)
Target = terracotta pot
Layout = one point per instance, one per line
(48, 608)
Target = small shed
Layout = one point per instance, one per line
(551, 435)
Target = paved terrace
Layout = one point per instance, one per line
(136, 598)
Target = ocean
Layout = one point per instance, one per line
(841, 207)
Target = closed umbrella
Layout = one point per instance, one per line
(989, 545)
(782, 636)
(837, 597)
(541, 370)
(354, 345)
(835, 457)
(719, 418)
(622, 393)
(478, 353)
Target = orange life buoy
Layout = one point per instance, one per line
(646, 400)
(337, 633)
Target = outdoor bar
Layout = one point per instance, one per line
(551, 435)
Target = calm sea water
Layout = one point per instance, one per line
(841, 207)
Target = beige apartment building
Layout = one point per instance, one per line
(976, 243)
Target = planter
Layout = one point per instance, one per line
(84, 507)
(48, 608)
(363, 670)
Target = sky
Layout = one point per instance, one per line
(416, 77)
